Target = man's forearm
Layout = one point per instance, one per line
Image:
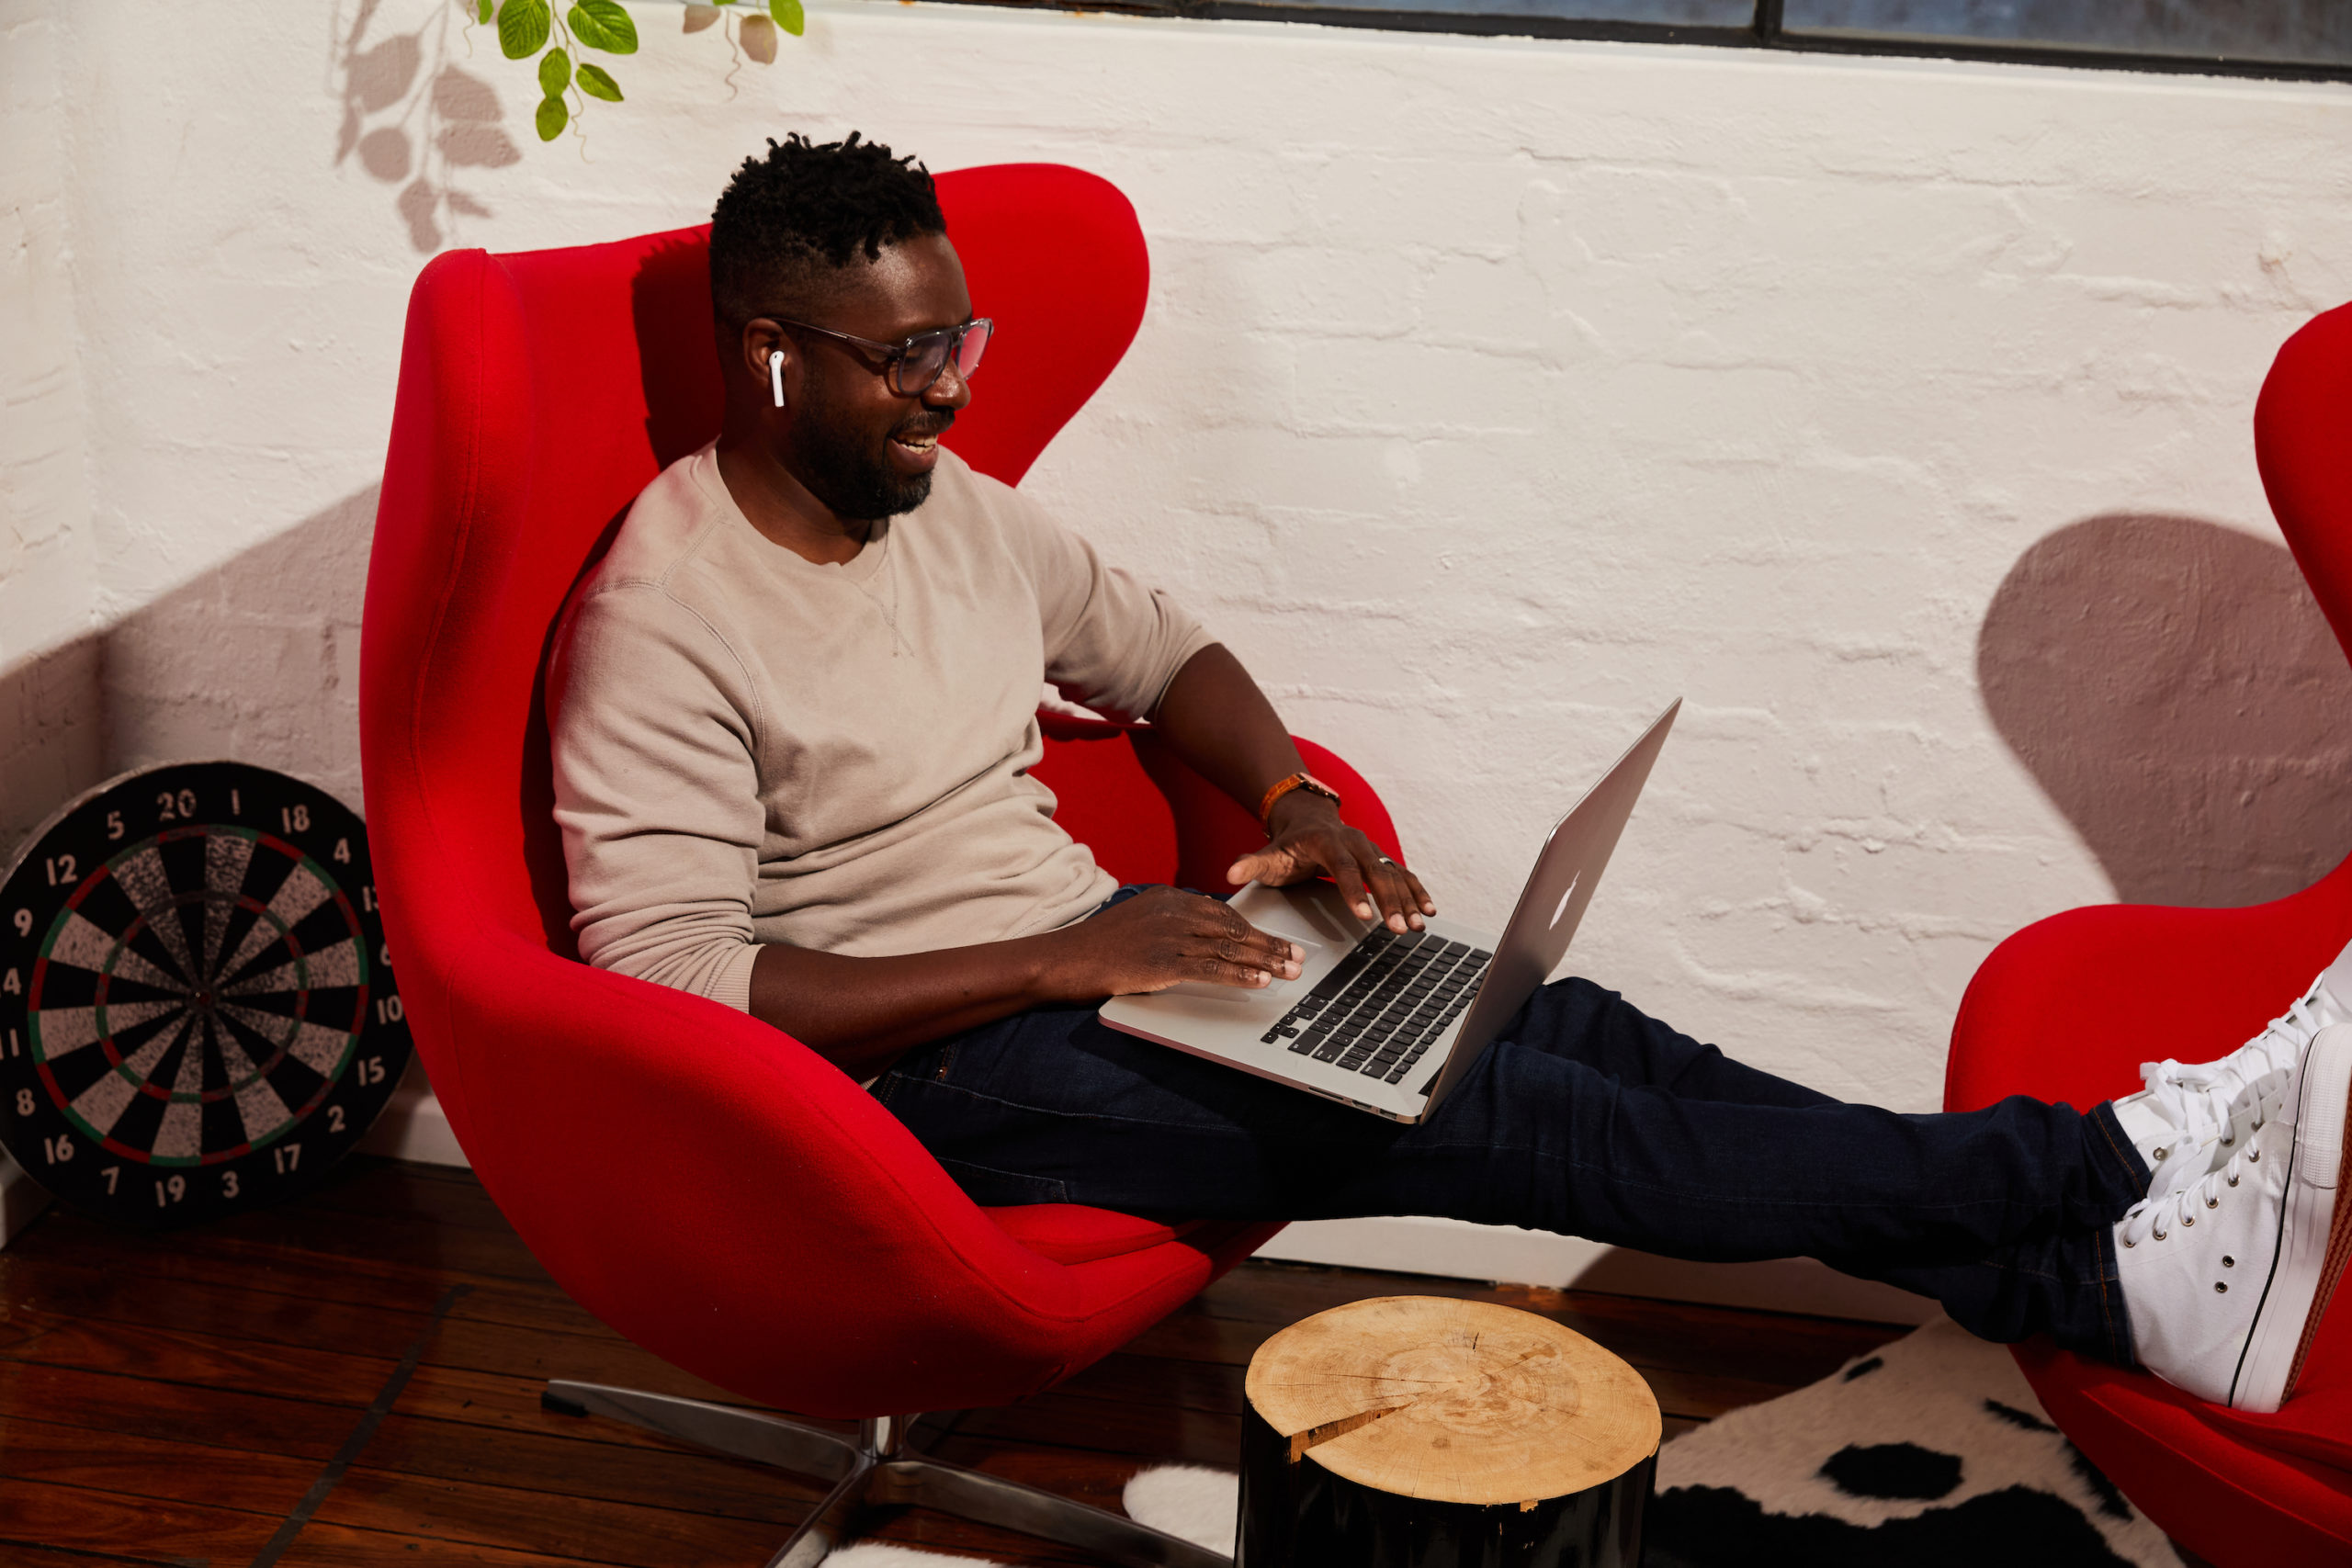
(1216, 719)
(863, 1014)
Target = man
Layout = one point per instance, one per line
(793, 717)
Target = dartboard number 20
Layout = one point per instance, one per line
(197, 1007)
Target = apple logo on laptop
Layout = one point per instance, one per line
(1571, 893)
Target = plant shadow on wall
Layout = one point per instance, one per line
(2174, 688)
(255, 660)
(414, 117)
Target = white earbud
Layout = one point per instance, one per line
(775, 374)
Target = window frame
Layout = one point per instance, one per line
(1764, 33)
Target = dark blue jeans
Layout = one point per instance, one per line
(1585, 1118)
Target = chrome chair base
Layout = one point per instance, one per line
(876, 1469)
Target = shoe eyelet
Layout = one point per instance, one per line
(2221, 1288)
(2129, 1242)
(2188, 1219)
(2212, 1202)
(2234, 1181)
(2254, 1154)
(2230, 1141)
(2228, 1262)
(2158, 1235)
(2164, 1154)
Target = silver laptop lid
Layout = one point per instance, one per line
(1554, 899)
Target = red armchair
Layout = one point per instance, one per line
(711, 1188)
(2067, 1009)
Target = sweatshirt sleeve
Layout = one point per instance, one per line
(654, 732)
(1111, 642)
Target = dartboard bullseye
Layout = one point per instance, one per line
(196, 1010)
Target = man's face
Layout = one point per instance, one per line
(859, 447)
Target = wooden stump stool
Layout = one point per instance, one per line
(1417, 1432)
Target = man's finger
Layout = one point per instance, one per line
(1217, 972)
(1280, 952)
(1351, 889)
(1385, 880)
(1420, 893)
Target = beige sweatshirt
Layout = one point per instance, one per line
(752, 748)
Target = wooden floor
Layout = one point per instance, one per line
(206, 1398)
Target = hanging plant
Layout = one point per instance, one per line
(530, 28)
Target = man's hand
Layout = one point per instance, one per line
(1309, 839)
(1162, 938)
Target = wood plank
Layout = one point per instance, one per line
(340, 1546)
(458, 1251)
(574, 1459)
(282, 1272)
(203, 1360)
(1171, 1435)
(473, 1514)
(163, 1470)
(53, 1290)
(24, 1554)
(259, 1423)
(40, 1514)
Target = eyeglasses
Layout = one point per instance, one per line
(915, 363)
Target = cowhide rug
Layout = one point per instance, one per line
(1931, 1452)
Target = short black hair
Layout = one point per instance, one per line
(805, 210)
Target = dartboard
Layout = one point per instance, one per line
(196, 1010)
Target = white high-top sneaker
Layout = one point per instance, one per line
(2193, 1116)
(2227, 1278)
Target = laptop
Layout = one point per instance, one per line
(1386, 1022)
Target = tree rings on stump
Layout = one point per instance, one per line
(1415, 1432)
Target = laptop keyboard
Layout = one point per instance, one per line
(1378, 1012)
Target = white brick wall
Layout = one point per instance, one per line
(49, 738)
(1493, 391)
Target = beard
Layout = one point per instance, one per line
(851, 474)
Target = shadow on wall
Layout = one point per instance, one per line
(414, 120)
(257, 660)
(2174, 688)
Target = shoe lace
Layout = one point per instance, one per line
(2195, 1097)
(2160, 1216)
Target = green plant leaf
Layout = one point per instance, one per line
(789, 16)
(553, 118)
(602, 24)
(555, 71)
(487, 7)
(700, 17)
(522, 28)
(587, 29)
(597, 83)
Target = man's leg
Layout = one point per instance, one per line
(2021, 1197)
(1576, 1019)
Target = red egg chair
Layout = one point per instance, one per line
(2068, 1007)
(702, 1182)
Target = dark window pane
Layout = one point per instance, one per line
(2317, 31)
(1683, 13)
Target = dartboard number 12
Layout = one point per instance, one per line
(197, 1007)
